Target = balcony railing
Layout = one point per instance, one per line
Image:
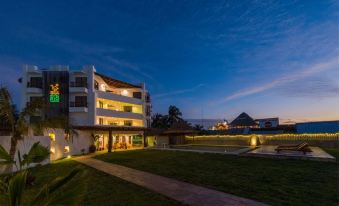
(34, 85)
(78, 84)
(78, 104)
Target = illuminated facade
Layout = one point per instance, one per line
(90, 100)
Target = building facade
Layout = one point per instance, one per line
(94, 103)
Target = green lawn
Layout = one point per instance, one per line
(273, 181)
(100, 188)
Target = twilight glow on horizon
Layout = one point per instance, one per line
(212, 59)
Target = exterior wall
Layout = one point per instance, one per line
(24, 147)
(318, 127)
(79, 142)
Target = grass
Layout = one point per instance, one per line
(273, 181)
(100, 188)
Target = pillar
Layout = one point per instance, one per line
(110, 140)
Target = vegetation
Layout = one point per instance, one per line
(98, 188)
(13, 186)
(273, 181)
(174, 116)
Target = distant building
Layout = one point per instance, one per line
(243, 121)
(268, 122)
(318, 127)
(220, 126)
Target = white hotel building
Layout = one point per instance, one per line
(114, 111)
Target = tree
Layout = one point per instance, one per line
(174, 115)
(20, 124)
(50, 194)
(17, 121)
(198, 127)
(159, 121)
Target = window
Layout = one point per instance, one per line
(148, 110)
(137, 95)
(137, 140)
(101, 121)
(101, 104)
(35, 82)
(80, 81)
(96, 85)
(128, 122)
(127, 108)
(80, 101)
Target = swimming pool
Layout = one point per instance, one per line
(228, 149)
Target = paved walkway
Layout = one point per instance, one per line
(181, 191)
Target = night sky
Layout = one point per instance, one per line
(212, 59)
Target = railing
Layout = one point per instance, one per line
(78, 84)
(78, 104)
(34, 85)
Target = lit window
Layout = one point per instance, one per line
(66, 150)
(52, 136)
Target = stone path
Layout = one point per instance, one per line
(181, 191)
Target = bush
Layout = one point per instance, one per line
(92, 148)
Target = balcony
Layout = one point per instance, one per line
(118, 114)
(119, 98)
(34, 88)
(78, 87)
(78, 107)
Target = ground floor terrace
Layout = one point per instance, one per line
(264, 180)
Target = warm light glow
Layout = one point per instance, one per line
(69, 156)
(254, 141)
(52, 150)
(124, 92)
(66, 150)
(52, 136)
(102, 87)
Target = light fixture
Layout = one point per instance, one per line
(103, 87)
(124, 92)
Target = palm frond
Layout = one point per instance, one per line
(51, 193)
(16, 187)
(7, 111)
(5, 157)
(36, 154)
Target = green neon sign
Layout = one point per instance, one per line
(54, 93)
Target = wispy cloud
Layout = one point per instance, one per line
(306, 72)
(177, 92)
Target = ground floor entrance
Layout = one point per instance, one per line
(120, 140)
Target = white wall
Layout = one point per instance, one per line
(24, 146)
(81, 141)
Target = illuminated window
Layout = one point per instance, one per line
(52, 136)
(66, 150)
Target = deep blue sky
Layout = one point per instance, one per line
(210, 58)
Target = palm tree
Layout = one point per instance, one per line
(20, 124)
(17, 121)
(159, 121)
(198, 127)
(50, 194)
(174, 114)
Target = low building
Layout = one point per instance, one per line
(115, 112)
(243, 121)
(318, 127)
(268, 122)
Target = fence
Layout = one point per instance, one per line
(321, 140)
